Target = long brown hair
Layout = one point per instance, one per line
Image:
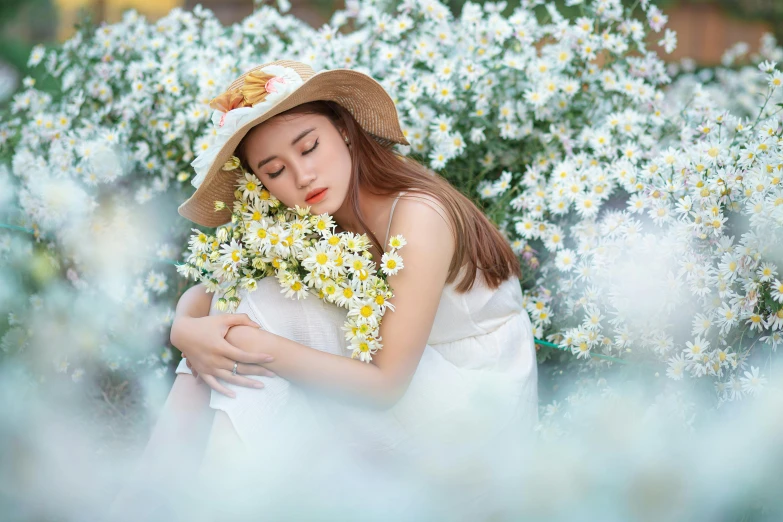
(382, 171)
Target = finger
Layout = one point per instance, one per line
(239, 380)
(232, 352)
(215, 385)
(190, 367)
(241, 320)
(255, 369)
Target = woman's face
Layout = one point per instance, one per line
(296, 156)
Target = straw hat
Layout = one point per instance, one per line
(268, 90)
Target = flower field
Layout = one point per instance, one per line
(644, 199)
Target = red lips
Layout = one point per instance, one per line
(315, 195)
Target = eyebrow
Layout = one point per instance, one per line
(270, 158)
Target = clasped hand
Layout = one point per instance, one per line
(209, 355)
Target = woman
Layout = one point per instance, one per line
(448, 398)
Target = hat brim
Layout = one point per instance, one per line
(364, 97)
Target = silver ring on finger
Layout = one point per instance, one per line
(234, 371)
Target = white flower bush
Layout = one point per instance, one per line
(737, 85)
(648, 219)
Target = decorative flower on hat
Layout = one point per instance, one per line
(261, 90)
(227, 101)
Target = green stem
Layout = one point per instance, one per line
(769, 96)
(14, 227)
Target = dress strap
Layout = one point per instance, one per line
(391, 213)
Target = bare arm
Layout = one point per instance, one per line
(201, 337)
(405, 331)
(194, 302)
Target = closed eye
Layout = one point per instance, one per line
(273, 175)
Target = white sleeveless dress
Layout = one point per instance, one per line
(458, 429)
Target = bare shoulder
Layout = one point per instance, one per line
(422, 208)
(424, 223)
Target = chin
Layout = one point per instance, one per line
(324, 208)
(327, 206)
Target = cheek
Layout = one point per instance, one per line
(341, 167)
(281, 188)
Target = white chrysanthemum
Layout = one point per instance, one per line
(397, 242)
(322, 223)
(232, 253)
(777, 290)
(695, 350)
(363, 347)
(391, 263)
(676, 368)
(752, 382)
(366, 312)
(250, 186)
(199, 242)
(320, 259)
(292, 286)
(36, 55)
(357, 263)
(348, 295)
(565, 260)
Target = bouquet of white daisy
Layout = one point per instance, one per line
(303, 252)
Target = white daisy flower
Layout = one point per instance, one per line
(391, 263)
(752, 382)
(676, 368)
(250, 186)
(397, 242)
(776, 290)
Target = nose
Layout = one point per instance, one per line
(304, 176)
